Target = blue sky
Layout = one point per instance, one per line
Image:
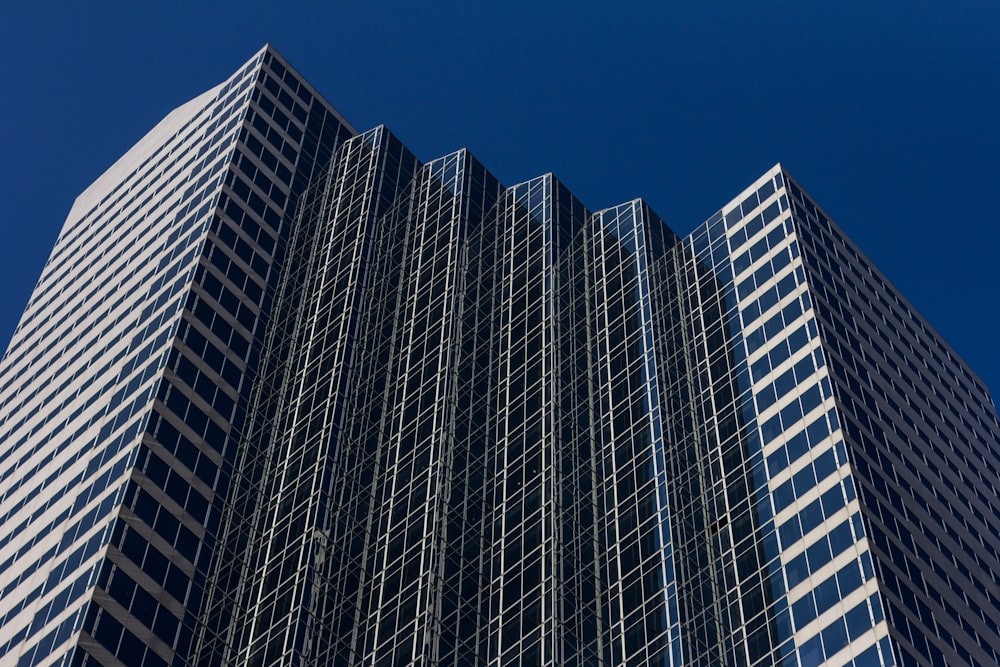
(887, 112)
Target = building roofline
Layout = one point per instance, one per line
(268, 48)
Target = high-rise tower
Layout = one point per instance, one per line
(287, 395)
(841, 464)
(124, 387)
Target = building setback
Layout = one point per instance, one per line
(286, 394)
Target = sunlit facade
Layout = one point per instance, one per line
(288, 395)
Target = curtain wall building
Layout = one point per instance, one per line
(287, 395)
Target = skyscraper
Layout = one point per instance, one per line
(123, 386)
(870, 448)
(430, 419)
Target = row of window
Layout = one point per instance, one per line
(164, 158)
(62, 573)
(116, 307)
(122, 223)
(98, 487)
(844, 630)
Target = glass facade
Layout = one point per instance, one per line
(285, 394)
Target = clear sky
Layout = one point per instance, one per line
(887, 112)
